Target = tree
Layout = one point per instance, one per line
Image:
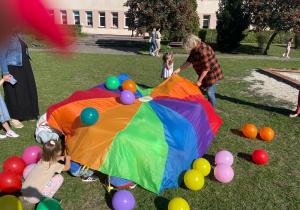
(279, 15)
(171, 15)
(233, 19)
(132, 14)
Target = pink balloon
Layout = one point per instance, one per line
(224, 157)
(223, 173)
(32, 154)
(27, 170)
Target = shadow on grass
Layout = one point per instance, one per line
(161, 203)
(258, 106)
(245, 156)
(143, 86)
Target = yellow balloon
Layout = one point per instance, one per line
(178, 204)
(193, 179)
(10, 202)
(202, 165)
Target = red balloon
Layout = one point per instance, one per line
(10, 181)
(260, 157)
(15, 164)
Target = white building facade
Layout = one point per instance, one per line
(109, 16)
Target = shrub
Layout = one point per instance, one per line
(262, 38)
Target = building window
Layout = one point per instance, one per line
(101, 19)
(51, 14)
(126, 20)
(89, 19)
(76, 18)
(114, 20)
(206, 21)
(63, 16)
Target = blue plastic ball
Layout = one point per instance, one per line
(89, 116)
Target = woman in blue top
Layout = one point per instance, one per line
(21, 98)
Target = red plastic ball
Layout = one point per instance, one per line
(250, 131)
(266, 133)
(10, 181)
(260, 157)
(14, 163)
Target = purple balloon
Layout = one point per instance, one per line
(32, 154)
(27, 170)
(224, 157)
(123, 200)
(127, 97)
(223, 173)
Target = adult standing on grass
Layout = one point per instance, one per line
(297, 112)
(21, 98)
(157, 40)
(204, 63)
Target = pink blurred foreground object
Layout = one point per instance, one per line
(32, 14)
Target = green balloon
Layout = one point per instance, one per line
(112, 83)
(49, 204)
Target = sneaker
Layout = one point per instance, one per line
(293, 114)
(11, 133)
(158, 55)
(108, 187)
(59, 200)
(16, 123)
(2, 136)
(132, 186)
(287, 57)
(89, 178)
(283, 55)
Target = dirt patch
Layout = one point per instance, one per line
(267, 85)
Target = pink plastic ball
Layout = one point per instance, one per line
(32, 154)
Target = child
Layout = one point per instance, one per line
(44, 132)
(167, 69)
(41, 182)
(87, 174)
(4, 117)
(288, 48)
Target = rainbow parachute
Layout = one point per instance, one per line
(151, 142)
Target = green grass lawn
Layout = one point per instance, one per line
(271, 186)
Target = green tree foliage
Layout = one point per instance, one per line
(233, 19)
(177, 16)
(279, 15)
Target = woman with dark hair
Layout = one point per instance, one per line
(21, 98)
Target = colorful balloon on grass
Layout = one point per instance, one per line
(193, 179)
(224, 157)
(178, 204)
(10, 202)
(129, 85)
(89, 116)
(15, 164)
(28, 169)
(250, 131)
(123, 200)
(49, 204)
(223, 173)
(127, 97)
(260, 157)
(10, 181)
(112, 83)
(32, 154)
(266, 133)
(202, 165)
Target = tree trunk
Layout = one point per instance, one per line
(270, 42)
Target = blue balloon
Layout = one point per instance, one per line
(123, 200)
(89, 116)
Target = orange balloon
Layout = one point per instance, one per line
(129, 85)
(266, 133)
(250, 131)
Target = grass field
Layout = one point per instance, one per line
(271, 186)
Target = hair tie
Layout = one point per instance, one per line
(52, 142)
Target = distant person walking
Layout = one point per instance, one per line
(157, 40)
(288, 48)
(153, 46)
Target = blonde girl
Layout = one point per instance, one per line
(41, 182)
(167, 69)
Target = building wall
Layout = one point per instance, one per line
(206, 11)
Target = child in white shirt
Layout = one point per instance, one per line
(167, 69)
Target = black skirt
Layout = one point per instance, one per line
(21, 99)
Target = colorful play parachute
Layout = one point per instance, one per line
(151, 142)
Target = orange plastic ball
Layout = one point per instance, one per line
(129, 85)
(266, 133)
(250, 131)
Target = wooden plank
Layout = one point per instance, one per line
(283, 77)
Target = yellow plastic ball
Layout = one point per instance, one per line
(178, 204)
(202, 165)
(8, 202)
(193, 179)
